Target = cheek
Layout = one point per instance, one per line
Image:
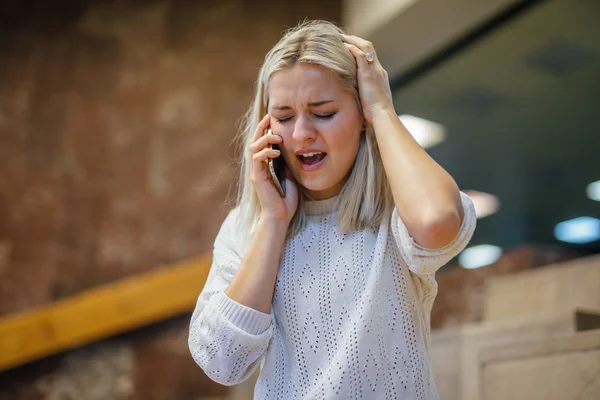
(287, 141)
(288, 148)
(347, 143)
(351, 151)
(285, 130)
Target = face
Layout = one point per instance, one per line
(320, 123)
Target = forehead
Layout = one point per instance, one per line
(305, 83)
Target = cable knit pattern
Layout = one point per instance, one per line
(350, 316)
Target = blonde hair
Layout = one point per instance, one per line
(366, 197)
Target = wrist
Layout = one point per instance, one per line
(273, 222)
(383, 111)
(384, 119)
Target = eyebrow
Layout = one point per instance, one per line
(312, 104)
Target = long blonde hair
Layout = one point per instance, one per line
(366, 197)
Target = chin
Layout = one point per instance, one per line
(316, 185)
(319, 186)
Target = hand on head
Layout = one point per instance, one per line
(373, 81)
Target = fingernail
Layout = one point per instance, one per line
(279, 137)
(277, 151)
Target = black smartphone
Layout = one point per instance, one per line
(277, 169)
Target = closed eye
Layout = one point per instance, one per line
(320, 116)
(326, 116)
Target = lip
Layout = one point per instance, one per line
(305, 151)
(311, 167)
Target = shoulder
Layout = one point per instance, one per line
(230, 221)
(229, 227)
(232, 218)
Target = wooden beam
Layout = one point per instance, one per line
(101, 312)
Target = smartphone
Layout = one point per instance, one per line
(277, 169)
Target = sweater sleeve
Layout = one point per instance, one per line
(227, 339)
(424, 261)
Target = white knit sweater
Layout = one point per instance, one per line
(350, 315)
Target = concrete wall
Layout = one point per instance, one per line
(546, 292)
(405, 32)
(364, 17)
(462, 296)
(530, 335)
(559, 368)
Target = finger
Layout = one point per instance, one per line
(264, 141)
(359, 55)
(260, 128)
(265, 154)
(362, 44)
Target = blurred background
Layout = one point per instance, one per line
(117, 169)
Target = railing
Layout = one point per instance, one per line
(101, 312)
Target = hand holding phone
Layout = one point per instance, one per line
(277, 169)
(275, 188)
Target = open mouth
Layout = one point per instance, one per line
(311, 158)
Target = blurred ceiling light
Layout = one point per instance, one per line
(593, 191)
(479, 256)
(578, 230)
(426, 133)
(485, 203)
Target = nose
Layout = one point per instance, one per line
(303, 130)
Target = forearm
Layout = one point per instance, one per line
(425, 195)
(254, 282)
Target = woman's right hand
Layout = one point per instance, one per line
(271, 203)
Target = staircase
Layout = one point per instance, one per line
(540, 339)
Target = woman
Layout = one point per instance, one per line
(329, 288)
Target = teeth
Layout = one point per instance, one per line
(311, 154)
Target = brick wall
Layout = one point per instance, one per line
(116, 119)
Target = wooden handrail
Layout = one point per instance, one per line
(101, 312)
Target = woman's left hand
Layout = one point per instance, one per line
(373, 83)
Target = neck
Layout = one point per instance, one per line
(321, 207)
(324, 194)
